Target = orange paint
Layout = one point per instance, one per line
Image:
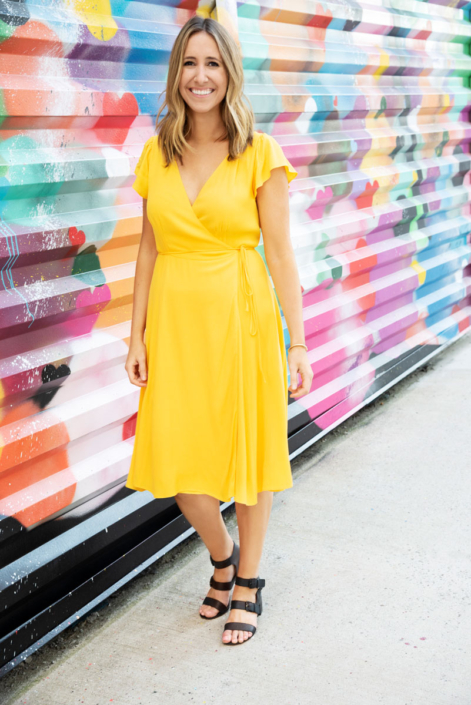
(30, 454)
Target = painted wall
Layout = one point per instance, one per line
(370, 101)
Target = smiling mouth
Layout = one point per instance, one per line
(201, 92)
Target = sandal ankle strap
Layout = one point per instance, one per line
(221, 564)
(227, 561)
(250, 582)
(247, 606)
(221, 586)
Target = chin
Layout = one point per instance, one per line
(201, 109)
(198, 108)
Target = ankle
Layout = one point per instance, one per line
(247, 572)
(244, 592)
(224, 551)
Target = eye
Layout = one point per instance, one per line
(188, 62)
(214, 63)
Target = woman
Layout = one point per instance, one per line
(212, 415)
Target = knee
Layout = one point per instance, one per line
(181, 497)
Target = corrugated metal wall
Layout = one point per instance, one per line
(370, 101)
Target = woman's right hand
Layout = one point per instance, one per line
(136, 364)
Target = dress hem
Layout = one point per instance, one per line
(209, 494)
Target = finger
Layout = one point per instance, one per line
(143, 369)
(305, 387)
(134, 375)
(296, 387)
(133, 372)
(298, 394)
(306, 381)
(293, 373)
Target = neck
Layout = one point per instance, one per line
(205, 127)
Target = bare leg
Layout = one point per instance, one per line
(203, 513)
(253, 523)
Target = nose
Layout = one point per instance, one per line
(200, 75)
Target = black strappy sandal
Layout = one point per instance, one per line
(256, 607)
(211, 601)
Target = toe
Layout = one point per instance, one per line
(235, 636)
(227, 636)
(207, 611)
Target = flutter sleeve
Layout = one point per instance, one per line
(268, 156)
(141, 183)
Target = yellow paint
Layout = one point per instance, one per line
(383, 64)
(380, 198)
(96, 14)
(206, 9)
(374, 123)
(422, 273)
(445, 103)
(386, 183)
(376, 155)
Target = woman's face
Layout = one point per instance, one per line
(203, 81)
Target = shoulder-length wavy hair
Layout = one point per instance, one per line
(236, 112)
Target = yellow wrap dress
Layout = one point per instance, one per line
(213, 416)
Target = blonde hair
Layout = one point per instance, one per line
(236, 112)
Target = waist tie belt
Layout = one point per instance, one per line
(246, 287)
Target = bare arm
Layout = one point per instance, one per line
(273, 208)
(136, 365)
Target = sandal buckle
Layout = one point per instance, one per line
(253, 583)
(250, 606)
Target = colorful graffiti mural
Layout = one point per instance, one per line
(372, 106)
(369, 101)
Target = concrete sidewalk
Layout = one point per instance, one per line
(368, 574)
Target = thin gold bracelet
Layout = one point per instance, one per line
(295, 345)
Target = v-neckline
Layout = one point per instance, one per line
(192, 205)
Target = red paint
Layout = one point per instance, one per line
(76, 237)
(129, 427)
(368, 260)
(365, 200)
(124, 108)
(365, 302)
(321, 19)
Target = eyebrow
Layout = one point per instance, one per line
(208, 57)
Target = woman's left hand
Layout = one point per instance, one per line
(298, 363)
